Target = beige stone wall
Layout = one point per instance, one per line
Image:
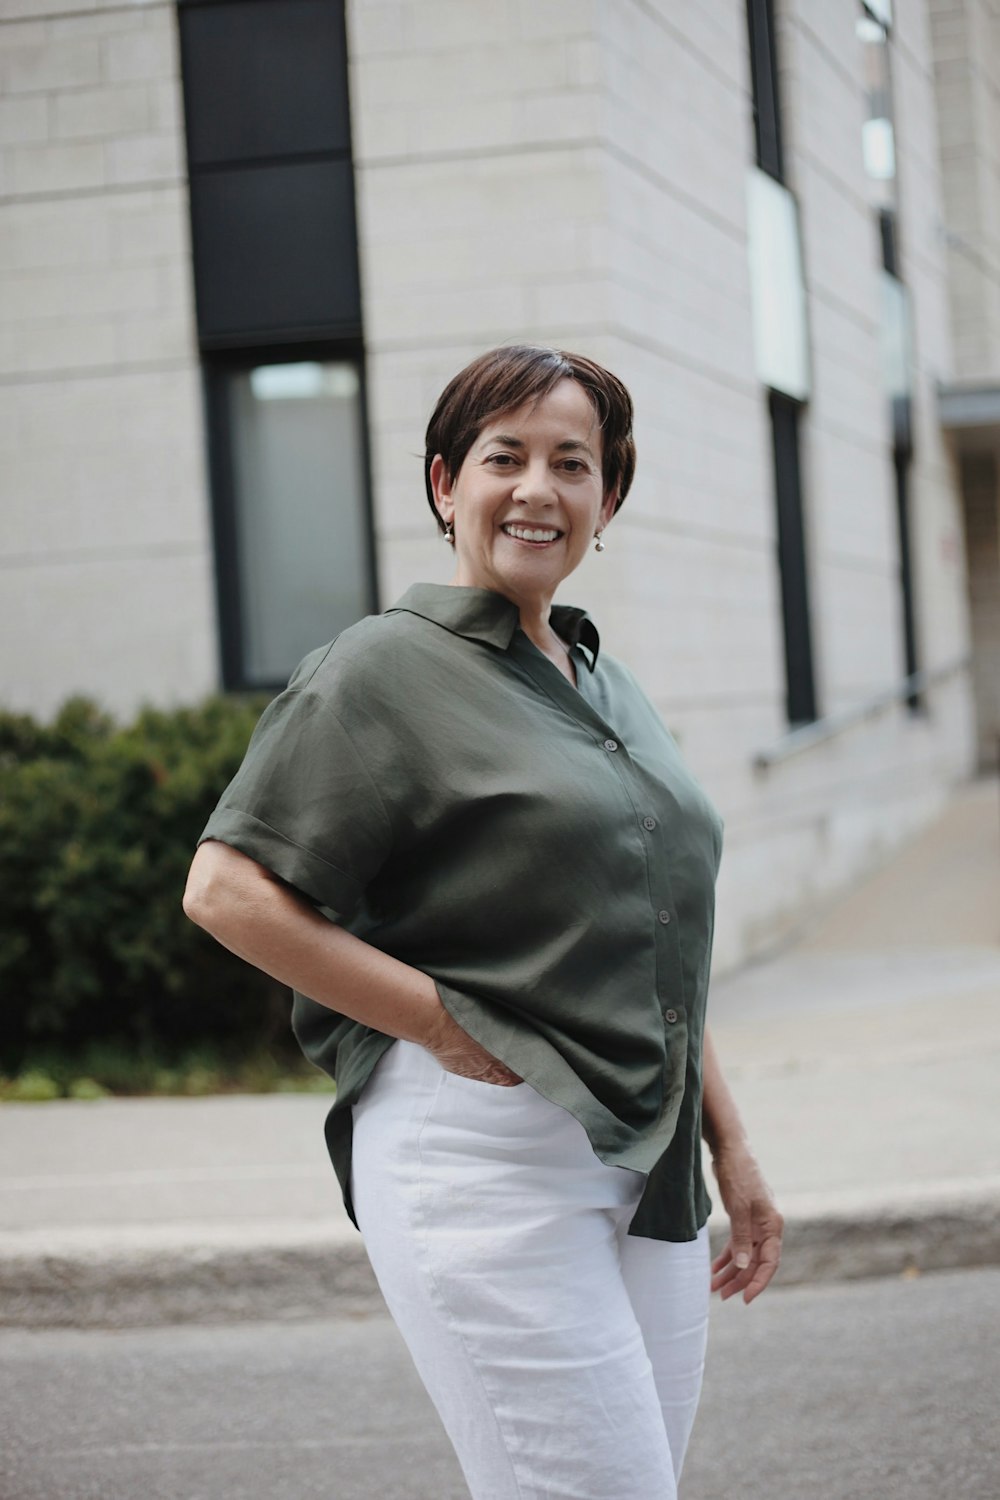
(966, 55)
(569, 171)
(105, 566)
(965, 44)
(575, 173)
(981, 486)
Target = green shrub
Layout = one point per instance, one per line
(32, 1087)
(98, 824)
(86, 1088)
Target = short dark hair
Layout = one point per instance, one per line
(504, 379)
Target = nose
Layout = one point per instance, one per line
(535, 485)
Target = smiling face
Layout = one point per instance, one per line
(528, 498)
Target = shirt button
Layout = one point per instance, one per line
(649, 823)
(663, 916)
(611, 745)
(670, 1015)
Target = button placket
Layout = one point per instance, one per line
(578, 705)
(670, 984)
(669, 980)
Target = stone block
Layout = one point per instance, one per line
(64, 232)
(87, 113)
(27, 10)
(152, 227)
(166, 107)
(147, 55)
(104, 619)
(539, 20)
(496, 311)
(55, 168)
(158, 338)
(404, 202)
(24, 119)
(375, 27)
(106, 461)
(107, 20)
(50, 346)
(93, 292)
(46, 66)
(145, 158)
(439, 24)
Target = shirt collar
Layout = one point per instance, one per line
(482, 615)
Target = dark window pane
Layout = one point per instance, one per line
(275, 252)
(264, 80)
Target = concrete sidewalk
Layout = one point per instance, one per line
(865, 1059)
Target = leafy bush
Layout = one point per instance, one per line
(98, 824)
(32, 1087)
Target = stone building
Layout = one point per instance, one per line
(243, 244)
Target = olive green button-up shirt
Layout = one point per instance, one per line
(432, 782)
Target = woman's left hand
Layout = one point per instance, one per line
(753, 1250)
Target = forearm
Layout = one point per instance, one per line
(722, 1126)
(749, 1260)
(269, 925)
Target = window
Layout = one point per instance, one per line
(878, 137)
(878, 151)
(292, 528)
(781, 347)
(278, 304)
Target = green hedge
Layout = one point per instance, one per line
(97, 828)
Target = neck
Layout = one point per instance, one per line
(536, 626)
(535, 623)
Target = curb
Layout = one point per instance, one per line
(151, 1283)
(315, 1270)
(891, 1242)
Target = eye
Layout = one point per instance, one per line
(575, 465)
(501, 460)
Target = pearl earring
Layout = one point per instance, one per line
(599, 540)
(448, 535)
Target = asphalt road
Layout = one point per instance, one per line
(879, 1390)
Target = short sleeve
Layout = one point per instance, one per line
(304, 804)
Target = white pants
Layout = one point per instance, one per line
(564, 1356)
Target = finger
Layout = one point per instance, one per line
(764, 1271)
(738, 1284)
(741, 1237)
(726, 1278)
(735, 1279)
(724, 1256)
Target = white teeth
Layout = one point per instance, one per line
(526, 534)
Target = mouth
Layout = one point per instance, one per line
(535, 536)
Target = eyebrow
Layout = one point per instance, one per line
(569, 445)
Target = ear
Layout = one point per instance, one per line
(608, 508)
(442, 489)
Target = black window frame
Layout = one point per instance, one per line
(800, 699)
(764, 88)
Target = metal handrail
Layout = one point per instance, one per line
(821, 730)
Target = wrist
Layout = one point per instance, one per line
(430, 1020)
(726, 1145)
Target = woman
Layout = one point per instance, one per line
(466, 841)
